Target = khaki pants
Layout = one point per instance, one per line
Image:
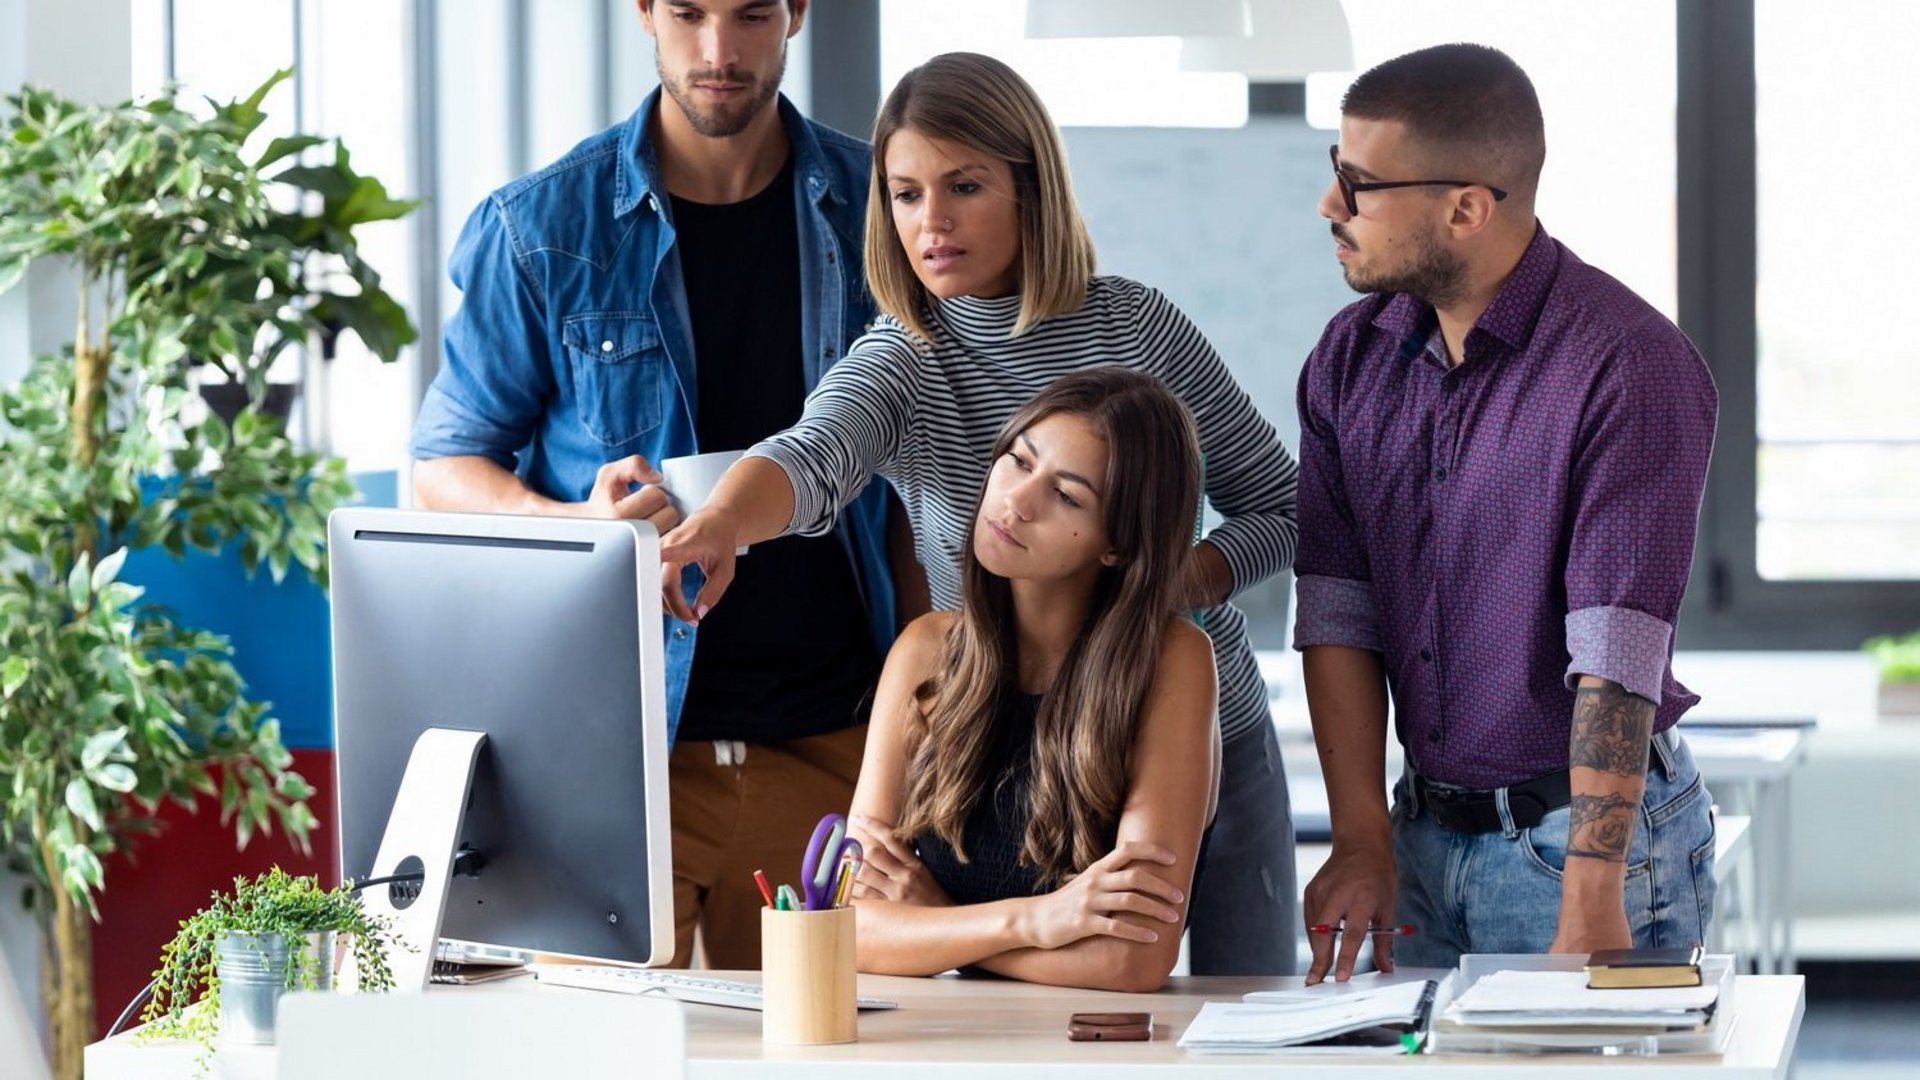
(741, 807)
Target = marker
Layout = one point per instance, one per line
(766, 890)
(1341, 928)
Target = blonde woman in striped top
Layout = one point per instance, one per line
(979, 258)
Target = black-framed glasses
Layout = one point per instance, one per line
(1349, 187)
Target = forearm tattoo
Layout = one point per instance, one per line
(1611, 729)
(1601, 827)
(1611, 732)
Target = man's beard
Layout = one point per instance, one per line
(723, 122)
(1434, 274)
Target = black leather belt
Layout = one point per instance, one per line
(1465, 810)
(1468, 811)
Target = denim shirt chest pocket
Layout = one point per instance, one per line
(620, 368)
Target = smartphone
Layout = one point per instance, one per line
(1110, 1027)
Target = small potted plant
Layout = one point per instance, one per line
(1899, 658)
(223, 973)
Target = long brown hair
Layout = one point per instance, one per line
(1084, 733)
(984, 105)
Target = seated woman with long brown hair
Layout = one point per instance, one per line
(1043, 763)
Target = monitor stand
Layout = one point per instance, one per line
(421, 833)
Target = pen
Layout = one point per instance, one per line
(1340, 928)
(789, 900)
(844, 886)
(766, 890)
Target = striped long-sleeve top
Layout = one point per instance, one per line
(924, 412)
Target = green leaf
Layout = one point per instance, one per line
(80, 801)
(247, 113)
(286, 146)
(88, 864)
(77, 582)
(292, 785)
(370, 202)
(101, 747)
(13, 674)
(375, 317)
(116, 777)
(109, 569)
(326, 180)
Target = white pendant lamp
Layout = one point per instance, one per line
(1291, 39)
(1136, 18)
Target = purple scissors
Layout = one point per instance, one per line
(817, 871)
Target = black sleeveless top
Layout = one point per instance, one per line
(998, 823)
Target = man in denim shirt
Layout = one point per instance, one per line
(676, 285)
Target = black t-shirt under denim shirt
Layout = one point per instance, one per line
(788, 652)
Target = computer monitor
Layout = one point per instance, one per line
(499, 685)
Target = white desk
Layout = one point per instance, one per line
(956, 1028)
(1751, 770)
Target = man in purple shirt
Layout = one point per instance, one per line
(1502, 457)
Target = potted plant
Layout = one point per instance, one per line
(223, 974)
(109, 706)
(1899, 658)
(286, 268)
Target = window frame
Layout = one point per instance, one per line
(1729, 605)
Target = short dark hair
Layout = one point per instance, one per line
(1468, 108)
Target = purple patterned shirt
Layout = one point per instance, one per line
(1499, 529)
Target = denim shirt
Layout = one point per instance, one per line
(572, 346)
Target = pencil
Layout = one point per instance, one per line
(766, 890)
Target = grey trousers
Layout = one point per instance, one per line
(1246, 904)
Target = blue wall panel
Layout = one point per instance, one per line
(280, 633)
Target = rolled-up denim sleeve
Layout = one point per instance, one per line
(1334, 585)
(496, 374)
(1638, 475)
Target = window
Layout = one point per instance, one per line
(1838, 406)
(1605, 76)
(506, 85)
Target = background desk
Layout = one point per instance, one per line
(953, 1028)
(1751, 770)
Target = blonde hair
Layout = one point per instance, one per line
(984, 105)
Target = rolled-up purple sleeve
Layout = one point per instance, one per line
(1334, 586)
(1635, 489)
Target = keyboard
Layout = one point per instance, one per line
(679, 985)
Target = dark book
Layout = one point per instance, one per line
(1630, 969)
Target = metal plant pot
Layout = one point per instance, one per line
(255, 969)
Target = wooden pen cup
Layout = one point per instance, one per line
(807, 976)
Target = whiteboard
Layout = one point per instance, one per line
(1224, 221)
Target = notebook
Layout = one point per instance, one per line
(1627, 969)
(466, 974)
(1388, 1019)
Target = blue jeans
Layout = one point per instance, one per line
(1499, 892)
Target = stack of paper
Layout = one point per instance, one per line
(1380, 1020)
(1561, 999)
